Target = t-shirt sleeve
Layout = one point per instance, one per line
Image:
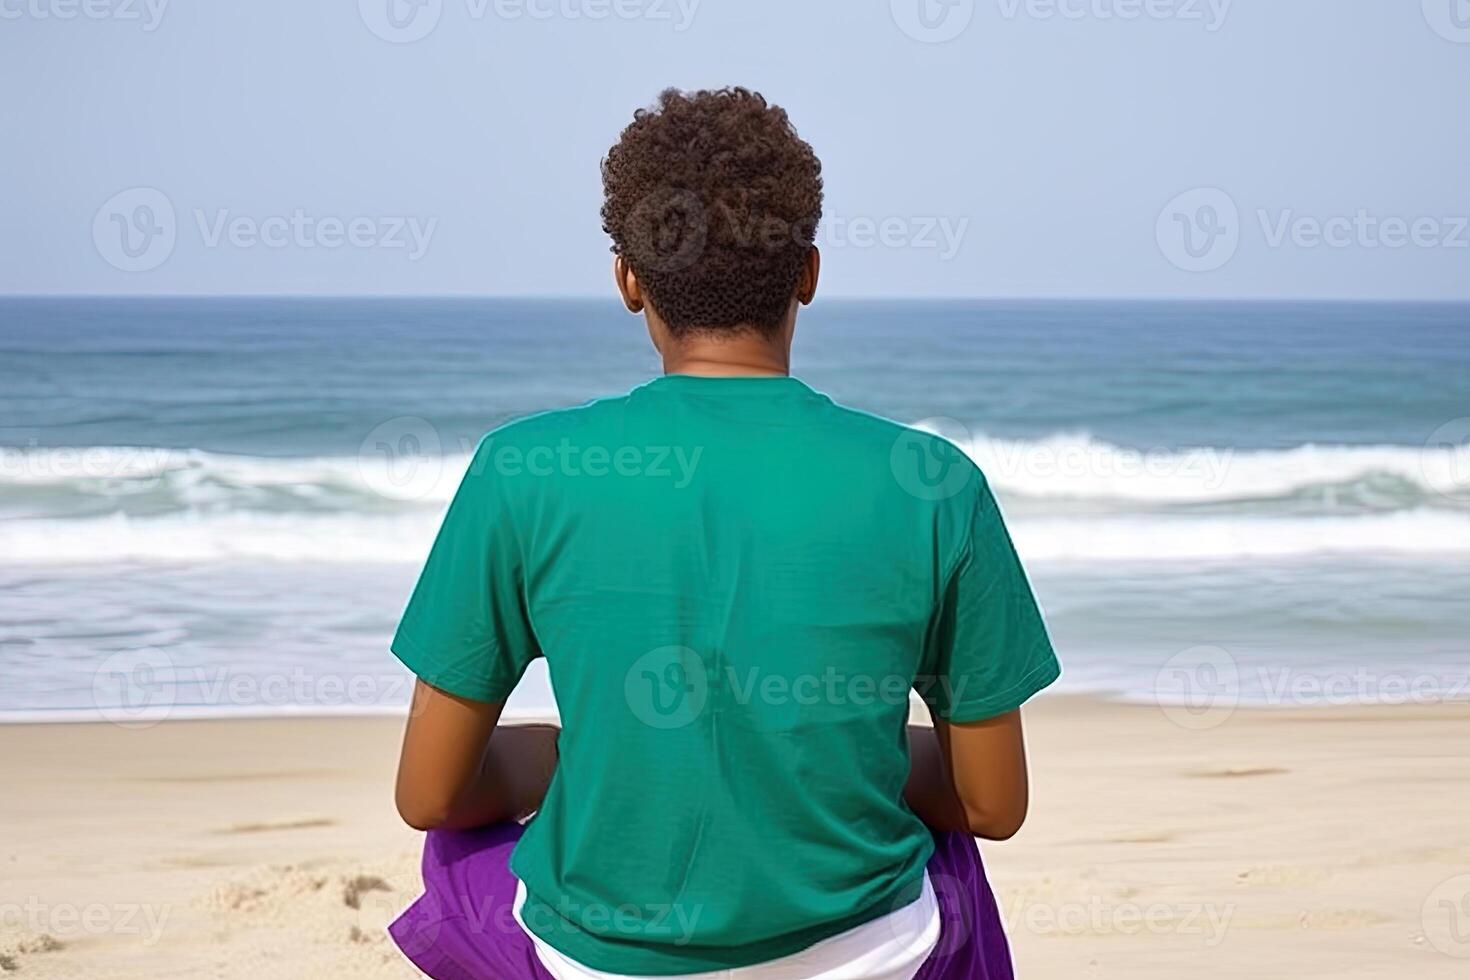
(466, 629)
(988, 647)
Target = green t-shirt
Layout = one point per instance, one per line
(735, 583)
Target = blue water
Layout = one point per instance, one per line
(218, 505)
(310, 376)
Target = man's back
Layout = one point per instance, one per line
(735, 584)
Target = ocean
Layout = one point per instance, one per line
(218, 506)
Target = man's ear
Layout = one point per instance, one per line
(811, 270)
(628, 286)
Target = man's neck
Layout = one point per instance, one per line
(743, 354)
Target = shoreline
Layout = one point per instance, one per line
(531, 716)
(268, 847)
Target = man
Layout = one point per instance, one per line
(735, 584)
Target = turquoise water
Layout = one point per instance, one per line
(217, 505)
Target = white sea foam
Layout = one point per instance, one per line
(1149, 538)
(406, 538)
(1079, 467)
(62, 478)
(1058, 467)
(1068, 497)
(339, 538)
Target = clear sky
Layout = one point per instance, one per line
(1315, 148)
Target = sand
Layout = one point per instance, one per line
(1325, 842)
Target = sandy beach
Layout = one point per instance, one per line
(1308, 843)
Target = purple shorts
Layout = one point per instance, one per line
(463, 928)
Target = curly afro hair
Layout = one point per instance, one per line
(713, 201)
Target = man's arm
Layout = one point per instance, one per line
(458, 770)
(970, 777)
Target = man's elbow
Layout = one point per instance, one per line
(994, 824)
(422, 814)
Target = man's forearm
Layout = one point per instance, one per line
(514, 775)
(930, 790)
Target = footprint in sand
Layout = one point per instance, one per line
(238, 777)
(1339, 920)
(354, 888)
(13, 950)
(258, 828)
(1267, 876)
(1143, 837)
(1239, 772)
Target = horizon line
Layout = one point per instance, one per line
(850, 298)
